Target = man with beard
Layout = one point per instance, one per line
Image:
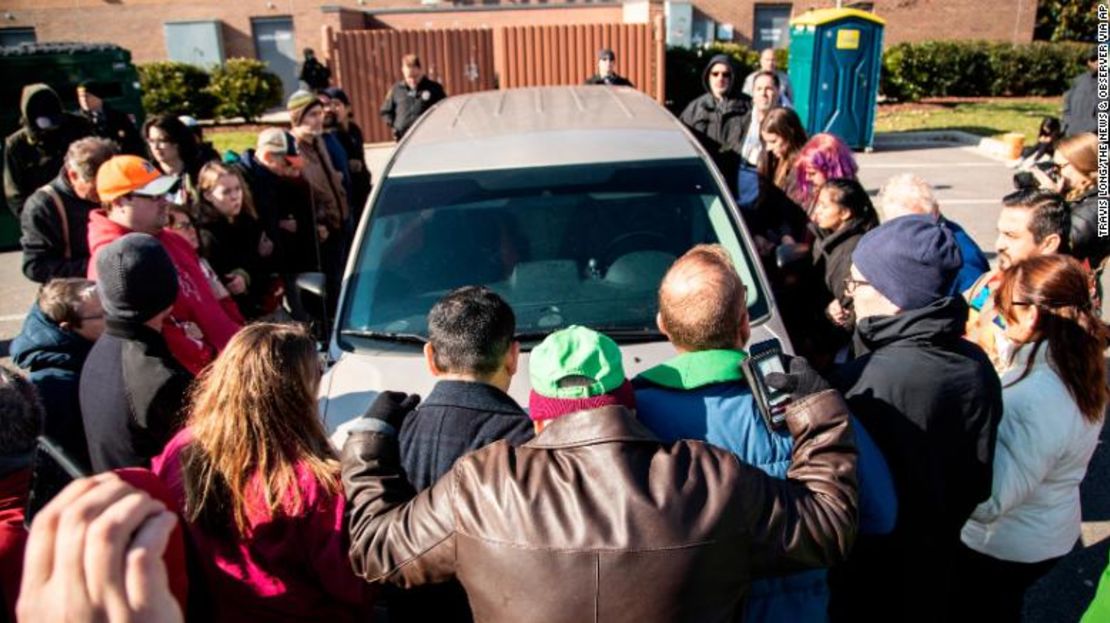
(1032, 222)
(339, 122)
(33, 154)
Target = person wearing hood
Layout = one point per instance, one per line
(933, 403)
(716, 116)
(52, 346)
(33, 154)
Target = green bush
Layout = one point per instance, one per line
(175, 88)
(912, 71)
(243, 88)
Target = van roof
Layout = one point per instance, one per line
(541, 126)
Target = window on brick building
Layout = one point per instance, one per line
(772, 26)
(11, 37)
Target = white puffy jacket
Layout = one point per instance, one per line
(1044, 446)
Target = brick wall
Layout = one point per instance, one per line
(906, 20)
(138, 24)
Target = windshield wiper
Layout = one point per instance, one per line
(405, 338)
(619, 334)
(632, 334)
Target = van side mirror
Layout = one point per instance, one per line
(313, 283)
(787, 255)
(316, 285)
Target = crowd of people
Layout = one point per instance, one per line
(927, 467)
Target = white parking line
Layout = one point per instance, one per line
(12, 317)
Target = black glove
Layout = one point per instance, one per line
(392, 407)
(802, 380)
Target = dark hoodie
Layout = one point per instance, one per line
(717, 123)
(53, 358)
(34, 155)
(932, 402)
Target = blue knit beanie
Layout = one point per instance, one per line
(911, 260)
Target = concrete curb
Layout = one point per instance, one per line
(989, 147)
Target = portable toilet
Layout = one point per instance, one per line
(835, 55)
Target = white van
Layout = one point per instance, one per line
(569, 202)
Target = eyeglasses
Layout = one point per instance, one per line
(722, 74)
(850, 285)
(179, 225)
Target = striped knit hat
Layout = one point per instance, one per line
(576, 369)
(300, 102)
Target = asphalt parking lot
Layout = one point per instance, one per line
(969, 186)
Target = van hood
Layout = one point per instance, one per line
(357, 377)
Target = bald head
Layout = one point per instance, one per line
(907, 194)
(702, 302)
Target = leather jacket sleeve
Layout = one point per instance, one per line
(810, 518)
(395, 537)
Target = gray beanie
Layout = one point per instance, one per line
(136, 278)
(911, 260)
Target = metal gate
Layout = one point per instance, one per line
(367, 63)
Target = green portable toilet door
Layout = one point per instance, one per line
(848, 70)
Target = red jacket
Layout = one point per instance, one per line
(195, 301)
(13, 536)
(289, 567)
(14, 488)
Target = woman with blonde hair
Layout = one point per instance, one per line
(1076, 161)
(1054, 393)
(257, 483)
(234, 239)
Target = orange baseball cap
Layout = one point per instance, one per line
(123, 175)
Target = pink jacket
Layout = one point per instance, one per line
(195, 302)
(288, 568)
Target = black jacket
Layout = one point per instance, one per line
(716, 124)
(277, 198)
(932, 401)
(1079, 105)
(832, 256)
(1084, 238)
(352, 140)
(613, 80)
(132, 393)
(403, 106)
(116, 126)
(43, 239)
(53, 357)
(232, 248)
(456, 418)
(32, 157)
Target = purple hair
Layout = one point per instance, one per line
(827, 154)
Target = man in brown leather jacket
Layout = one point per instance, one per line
(596, 519)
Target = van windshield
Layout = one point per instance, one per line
(581, 244)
